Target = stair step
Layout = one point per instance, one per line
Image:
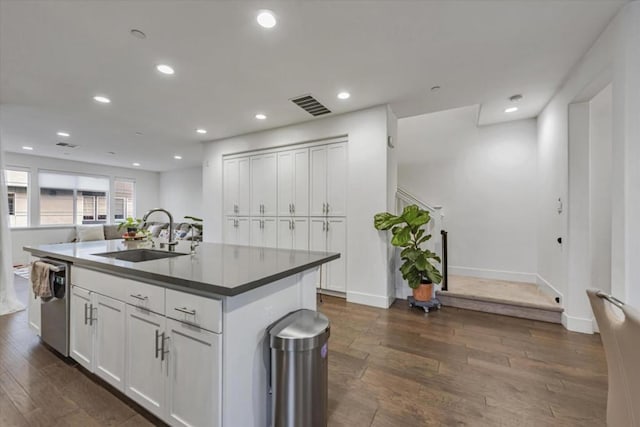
(524, 310)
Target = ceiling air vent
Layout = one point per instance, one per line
(66, 144)
(311, 105)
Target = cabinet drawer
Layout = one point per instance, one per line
(145, 296)
(205, 313)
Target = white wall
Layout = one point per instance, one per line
(147, 196)
(367, 275)
(614, 58)
(181, 192)
(484, 177)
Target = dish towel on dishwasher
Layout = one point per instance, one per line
(40, 280)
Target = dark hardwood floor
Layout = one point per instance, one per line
(393, 367)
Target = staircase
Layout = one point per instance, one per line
(524, 300)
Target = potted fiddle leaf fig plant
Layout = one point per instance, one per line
(409, 233)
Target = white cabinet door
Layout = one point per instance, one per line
(300, 234)
(230, 186)
(244, 181)
(194, 381)
(264, 185)
(230, 231)
(301, 182)
(263, 232)
(336, 272)
(318, 180)
(236, 231)
(145, 369)
(285, 182)
(81, 329)
(318, 242)
(285, 233)
(337, 179)
(109, 330)
(34, 313)
(242, 232)
(293, 183)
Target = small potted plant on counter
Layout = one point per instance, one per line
(408, 232)
(131, 224)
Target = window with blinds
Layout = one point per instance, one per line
(73, 199)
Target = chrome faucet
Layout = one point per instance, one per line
(171, 244)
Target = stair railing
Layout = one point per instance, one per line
(435, 228)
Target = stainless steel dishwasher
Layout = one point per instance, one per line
(54, 327)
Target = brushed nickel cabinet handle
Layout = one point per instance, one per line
(139, 297)
(91, 319)
(185, 310)
(327, 207)
(163, 351)
(324, 225)
(157, 343)
(86, 318)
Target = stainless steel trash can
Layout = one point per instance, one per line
(299, 359)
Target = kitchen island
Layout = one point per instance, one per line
(184, 335)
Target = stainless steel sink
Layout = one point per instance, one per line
(140, 255)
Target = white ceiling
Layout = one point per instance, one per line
(56, 55)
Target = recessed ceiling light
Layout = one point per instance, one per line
(24, 147)
(165, 69)
(202, 131)
(511, 110)
(260, 116)
(344, 95)
(65, 134)
(266, 19)
(101, 99)
(177, 157)
(136, 164)
(138, 34)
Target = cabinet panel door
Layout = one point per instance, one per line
(34, 314)
(301, 234)
(81, 330)
(244, 181)
(109, 332)
(256, 185)
(318, 242)
(318, 180)
(270, 233)
(230, 231)
(242, 236)
(146, 372)
(301, 183)
(256, 235)
(230, 186)
(263, 232)
(269, 185)
(336, 276)
(285, 234)
(285, 182)
(337, 179)
(194, 382)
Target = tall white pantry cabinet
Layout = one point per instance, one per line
(291, 198)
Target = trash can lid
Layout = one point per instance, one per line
(299, 331)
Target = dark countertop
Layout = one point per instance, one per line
(215, 269)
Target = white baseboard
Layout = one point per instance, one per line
(370, 299)
(512, 276)
(549, 289)
(577, 324)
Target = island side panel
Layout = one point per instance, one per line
(245, 360)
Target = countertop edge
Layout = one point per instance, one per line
(203, 289)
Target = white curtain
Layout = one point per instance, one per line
(8, 301)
